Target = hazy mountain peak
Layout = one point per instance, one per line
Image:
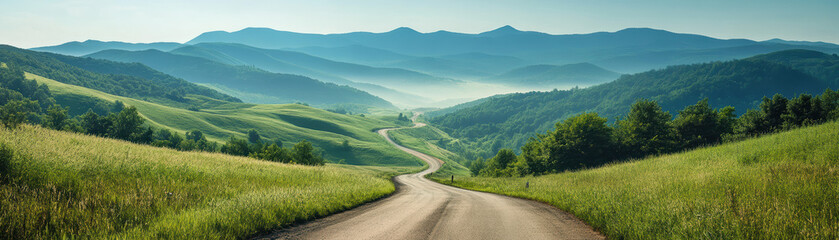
(404, 30)
(505, 30)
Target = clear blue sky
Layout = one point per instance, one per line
(31, 23)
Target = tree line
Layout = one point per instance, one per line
(26, 101)
(587, 140)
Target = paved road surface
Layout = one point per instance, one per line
(423, 209)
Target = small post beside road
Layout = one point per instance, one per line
(452, 178)
(527, 184)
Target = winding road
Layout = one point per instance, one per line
(423, 209)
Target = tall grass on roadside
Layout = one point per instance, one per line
(781, 186)
(61, 184)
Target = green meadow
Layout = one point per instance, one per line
(780, 186)
(286, 122)
(58, 184)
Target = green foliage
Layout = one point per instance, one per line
(56, 117)
(645, 130)
(253, 137)
(236, 146)
(802, 111)
(586, 141)
(698, 125)
(16, 112)
(274, 153)
(781, 186)
(127, 124)
(304, 153)
(95, 125)
(512, 119)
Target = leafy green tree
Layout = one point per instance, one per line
(56, 117)
(95, 125)
(274, 153)
(127, 124)
(175, 139)
(187, 145)
(16, 112)
(830, 104)
(195, 135)
(803, 110)
(697, 125)
(726, 120)
(163, 134)
(346, 145)
(304, 153)
(253, 136)
(535, 154)
(751, 123)
(476, 166)
(583, 140)
(145, 136)
(773, 110)
(497, 165)
(645, 130)
(236, 146)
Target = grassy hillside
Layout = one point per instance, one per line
(289, 123)
(425, 140)
(781, 186)
(508, 121)
(60, 184)
(285, 88)
(123, 79)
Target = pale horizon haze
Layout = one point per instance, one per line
(37, 23)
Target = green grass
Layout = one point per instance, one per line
(287, 122)
(421, 139)
(70, 185)
(781, 186)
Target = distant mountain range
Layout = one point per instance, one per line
(414, 69)
(247, 83)
(92, 46)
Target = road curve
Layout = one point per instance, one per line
(423, 209)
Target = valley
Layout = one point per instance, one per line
(346, 120)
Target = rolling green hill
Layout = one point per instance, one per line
(249, 83)
(129, 80)
(508, 121)
(57, 184)
(288, 123)
(820, 65)
(781, 186)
